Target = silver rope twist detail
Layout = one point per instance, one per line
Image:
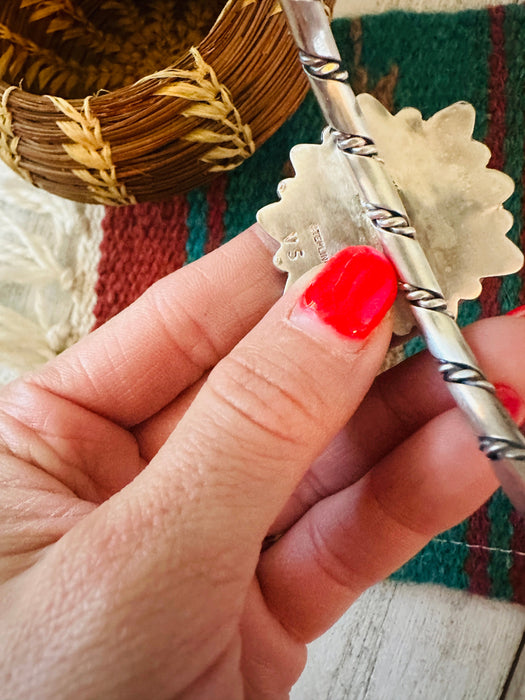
(457, 373)
(323, 68)
(497, 448)
(351, 143)
(425, 298)
(391, 221)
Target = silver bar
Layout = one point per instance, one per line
(499, 438)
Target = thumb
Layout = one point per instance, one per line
(275, 402)
(164, 564)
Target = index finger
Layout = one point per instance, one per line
(140, 360)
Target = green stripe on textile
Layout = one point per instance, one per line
(414, 346)
(442, 58)
(514, 142)
(441, 561)
(469, 311)
(341, 30)
(197, 223)
(500, 541)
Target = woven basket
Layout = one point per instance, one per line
(177, 91)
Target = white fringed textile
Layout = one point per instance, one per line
(49, 253)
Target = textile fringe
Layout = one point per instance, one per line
(23, 342)
(91, 150)
(48, 273)
(212, 100)
(8, 141)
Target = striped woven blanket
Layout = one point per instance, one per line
(423, 60)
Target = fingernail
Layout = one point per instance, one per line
(512, 401)
(353, 291)
(518, 312)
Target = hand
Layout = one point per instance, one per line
(142, 470)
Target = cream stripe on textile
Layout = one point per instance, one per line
(356, 8)
(49, 254)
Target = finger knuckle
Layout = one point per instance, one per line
(268, 401)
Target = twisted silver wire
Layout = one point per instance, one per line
(391, 221)
(465, 374)
(357, 145)
(497, 449)
(499, 438)
(424, 298)
(322, 68)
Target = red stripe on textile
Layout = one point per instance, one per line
(216, 210)
(478, 532)
(495, 139)
(141, 244)
(517, 571)
(478, 559)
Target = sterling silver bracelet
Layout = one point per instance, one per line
(499, 438)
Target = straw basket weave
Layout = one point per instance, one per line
(122, 101)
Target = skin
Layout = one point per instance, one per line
(142, 469)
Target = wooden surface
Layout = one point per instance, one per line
(404, 642)
(515, 686)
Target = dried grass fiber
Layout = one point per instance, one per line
(119, 101)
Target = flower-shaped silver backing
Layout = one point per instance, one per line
(498, 437)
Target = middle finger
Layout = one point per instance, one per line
(400, 402)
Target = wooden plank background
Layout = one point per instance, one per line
(404, 642)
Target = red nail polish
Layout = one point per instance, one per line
(512, 401)
(353, 291)
(518, 312)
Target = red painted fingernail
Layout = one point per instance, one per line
(512, 401)
(353, 292)
(519, 312)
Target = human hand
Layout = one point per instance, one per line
(142, 470)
